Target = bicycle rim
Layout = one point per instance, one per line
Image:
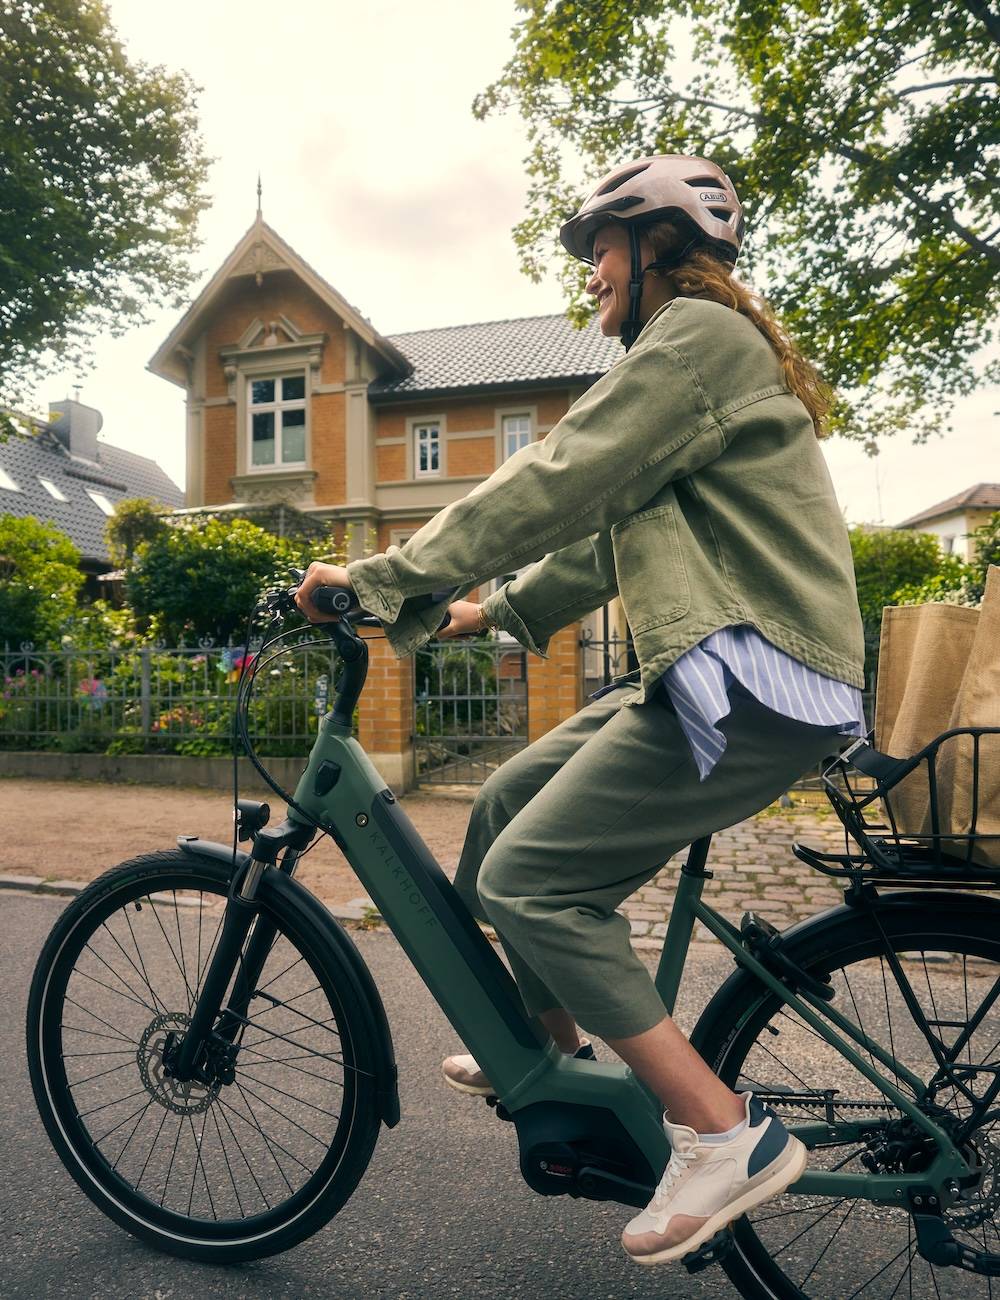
(799, 1247)
(230, 1170)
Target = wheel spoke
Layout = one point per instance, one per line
(269, 1127)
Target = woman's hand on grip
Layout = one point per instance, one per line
(320, 575)
(464, 620)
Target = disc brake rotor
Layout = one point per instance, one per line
(182, 1097)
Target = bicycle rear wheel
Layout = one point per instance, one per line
(241, 1167)
(799, 1247)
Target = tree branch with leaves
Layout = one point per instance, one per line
(103, 174)
(863, 139)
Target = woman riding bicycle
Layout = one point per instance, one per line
(688, 480)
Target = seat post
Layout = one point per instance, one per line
(681, 924)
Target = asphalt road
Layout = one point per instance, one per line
(441, 1211)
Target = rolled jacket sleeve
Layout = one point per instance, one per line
(646, 422)
(562, 587)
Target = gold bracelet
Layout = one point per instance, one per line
(484, 620)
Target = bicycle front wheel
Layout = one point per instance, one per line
(240, 1167)
(800, 1247)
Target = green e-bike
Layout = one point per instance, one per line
(212, 1061)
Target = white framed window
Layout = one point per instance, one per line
(7, 482)
(276, 410)
(426, 449)
(516, 433)
(52, 489)
(101, 501)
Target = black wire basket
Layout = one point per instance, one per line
(917, 819)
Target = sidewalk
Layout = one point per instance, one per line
(59, 835)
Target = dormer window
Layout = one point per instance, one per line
(101, 501)
(277, 417)
(54, 492)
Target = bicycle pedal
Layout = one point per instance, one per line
(709, 1252)
(502, 1112)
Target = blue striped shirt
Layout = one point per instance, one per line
(698, 685)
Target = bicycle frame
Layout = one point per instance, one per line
(555, 1096)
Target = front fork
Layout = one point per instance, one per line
(189, 1056)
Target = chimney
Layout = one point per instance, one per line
(76, 427)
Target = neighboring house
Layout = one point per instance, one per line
(61, 474)
(952, 520)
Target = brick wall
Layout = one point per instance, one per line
(555, 684)
(385, 719)
(239, 304)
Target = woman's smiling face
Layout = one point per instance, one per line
(612, 271)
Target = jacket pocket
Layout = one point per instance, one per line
(652, 577)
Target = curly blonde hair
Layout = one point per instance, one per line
(703, 274)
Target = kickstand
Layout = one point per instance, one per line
(709, 1252)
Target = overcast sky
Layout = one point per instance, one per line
(358, 117)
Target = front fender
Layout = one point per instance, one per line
(285, 893)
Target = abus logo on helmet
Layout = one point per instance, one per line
(713, 196)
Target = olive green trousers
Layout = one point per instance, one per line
(562, 833)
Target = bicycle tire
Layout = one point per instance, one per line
(743, 1034)
(103, 939)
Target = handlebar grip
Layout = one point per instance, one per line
(334, 600)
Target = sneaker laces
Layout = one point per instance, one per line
(676, 1166)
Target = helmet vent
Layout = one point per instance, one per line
(620, 180)
(722, 213)
(704, 180)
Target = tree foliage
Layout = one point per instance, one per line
(102, 176)
(201, 576)
(885, 560)
(39, 580)
(862, 138)
(135, 520)
(959, 582)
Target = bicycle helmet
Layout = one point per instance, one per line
(693, 191)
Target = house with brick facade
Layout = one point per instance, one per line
(293, 396)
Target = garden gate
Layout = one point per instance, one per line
(470, 708)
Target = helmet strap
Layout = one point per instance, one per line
(632, 325)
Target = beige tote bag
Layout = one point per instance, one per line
(939, 667)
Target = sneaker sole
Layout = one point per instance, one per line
(471, 1089)
(793, 1165)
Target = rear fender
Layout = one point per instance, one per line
(798, 939)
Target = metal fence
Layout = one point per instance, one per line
(158, 699)
(470, 708)
(604, 658)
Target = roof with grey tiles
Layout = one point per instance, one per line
(116, 474)
(498, 354)
(979, 496)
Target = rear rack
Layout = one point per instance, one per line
(859, 785)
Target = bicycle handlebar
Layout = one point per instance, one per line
(343, 600)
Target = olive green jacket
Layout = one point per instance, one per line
(688, 480)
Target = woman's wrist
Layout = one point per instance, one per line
(485, 622)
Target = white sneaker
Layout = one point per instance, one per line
(705, 1186)
(464, 1074)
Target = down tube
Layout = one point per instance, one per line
(418, 902)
